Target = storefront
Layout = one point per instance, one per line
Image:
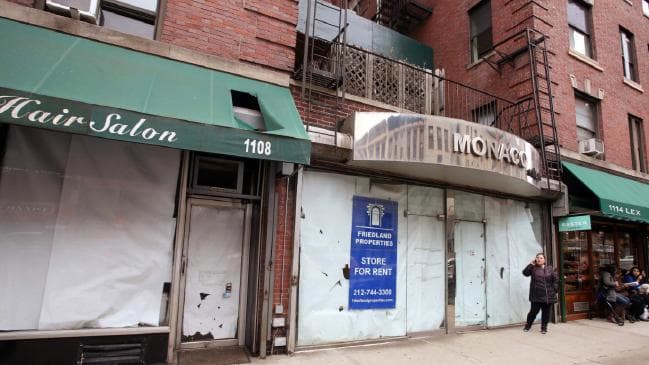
(134, 200)
(385, 254)
(607, 225)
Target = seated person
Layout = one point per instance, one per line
(632, 282)
(608, 286)
(633, 279)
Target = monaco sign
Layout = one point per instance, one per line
(447, 150)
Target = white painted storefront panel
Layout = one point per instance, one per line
(513, 238)
(325, 250)
(213, 267)
(510, 238)
(87, 230)
(425, 261)
(470, 298)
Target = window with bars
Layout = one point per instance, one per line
(628, 55)
(636, 133)
(481, 35)
(579, 21)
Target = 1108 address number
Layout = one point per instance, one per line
(254, 146)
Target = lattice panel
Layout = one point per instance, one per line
(385, 81)
(414, 90)
(356, 72)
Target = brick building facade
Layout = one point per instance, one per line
(261, 41)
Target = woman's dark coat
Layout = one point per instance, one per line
(544, 283)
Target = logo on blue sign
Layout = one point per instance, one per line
(373, 259)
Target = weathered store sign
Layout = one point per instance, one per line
(41, 111)
(447, 150)
(373, 259)
(574, 223)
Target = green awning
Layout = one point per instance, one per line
(619, 197)
(127, 95)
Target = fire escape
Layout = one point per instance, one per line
(401, 15)
(324, 48)
(534, 116)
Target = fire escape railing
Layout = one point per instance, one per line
(424, 91)
(401, 15)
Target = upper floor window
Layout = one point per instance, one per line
(579, 21)
(645, 7)
(485, 115)
(636, 132)
(628, 55)
(586, 114)
(481, 37)
(136, 17)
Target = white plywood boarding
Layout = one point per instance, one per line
(511, 245)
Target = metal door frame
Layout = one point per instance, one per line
(239, 340)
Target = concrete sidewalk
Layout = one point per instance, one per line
(578, 342)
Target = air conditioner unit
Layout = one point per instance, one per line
(86, 10)
(592, 147)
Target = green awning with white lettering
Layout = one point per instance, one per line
(619, 197)
(67, 83)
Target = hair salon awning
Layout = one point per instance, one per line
(619, 197)
(67, 83)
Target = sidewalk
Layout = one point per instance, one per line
(579, 342)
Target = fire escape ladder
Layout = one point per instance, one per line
(534, 117)
(545, 137)
(322, 69)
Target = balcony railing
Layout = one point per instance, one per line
(425, 91)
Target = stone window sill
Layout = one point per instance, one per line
(587, 60)
(480, 60)
(633, 85)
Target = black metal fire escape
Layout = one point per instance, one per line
(324, 48)
(402, 15)
(534, 119)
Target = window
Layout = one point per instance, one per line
(586, 114)
(485, 115)
(580, 27)
(481, 38)
(87, 231)
(136, 17)
(628, 55)
(636, 132)
(574, 249)
(645, 7)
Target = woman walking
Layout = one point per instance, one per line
(543, 291)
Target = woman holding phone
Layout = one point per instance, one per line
(543, 291)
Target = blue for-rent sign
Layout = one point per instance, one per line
(373, 261)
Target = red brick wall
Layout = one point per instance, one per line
(325, 110)
(620, 99)
(283, 241)
(550, 17)
(252, 31)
